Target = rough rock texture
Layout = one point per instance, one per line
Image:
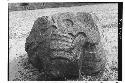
(87, 57)
(17, 46)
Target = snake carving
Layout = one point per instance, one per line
(65, 45)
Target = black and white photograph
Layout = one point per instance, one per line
(65, 41)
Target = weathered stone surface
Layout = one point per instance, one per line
(21, 22)
(47, 40)
(79, 22)
(93, 59)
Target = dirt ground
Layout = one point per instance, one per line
(20, 24)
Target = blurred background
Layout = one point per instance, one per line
(33, 6)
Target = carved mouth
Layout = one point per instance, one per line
(60, 45)
(61, 42)
(62, 37)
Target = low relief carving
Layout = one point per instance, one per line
(65, 47)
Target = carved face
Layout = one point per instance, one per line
(63, 46)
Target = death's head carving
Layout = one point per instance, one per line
(65, 46)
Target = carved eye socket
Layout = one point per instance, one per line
(82, 33)
(53, 26)
(68, 22)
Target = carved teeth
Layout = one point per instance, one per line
(60, 45)
(62, 54)
(61, 37)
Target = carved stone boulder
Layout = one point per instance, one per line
(65, 46)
